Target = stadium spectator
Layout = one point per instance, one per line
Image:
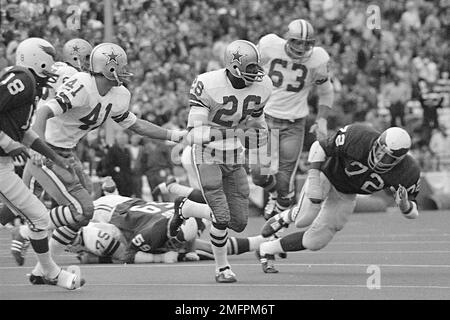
(136, 152)
(396, 93)
(118, 164)
(169, 42)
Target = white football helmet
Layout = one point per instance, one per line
(243, 59)
(38, 55)
(110, 60)
(77, 52)
(389, 149)
(300, 40)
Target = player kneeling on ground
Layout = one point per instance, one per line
(357, 160)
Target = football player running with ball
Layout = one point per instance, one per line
(19, 88)
(357, 160)
(222, 101)
(295, 66)
(83, 103)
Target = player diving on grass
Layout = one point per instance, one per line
(356, 160)
(83, 103)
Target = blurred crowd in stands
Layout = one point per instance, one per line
(390, 63)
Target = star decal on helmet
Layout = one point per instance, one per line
(112, 57)
(76, 49)
(237, 56)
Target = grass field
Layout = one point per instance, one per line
(413, 257)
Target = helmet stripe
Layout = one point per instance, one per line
(254, 48)
(304, 29)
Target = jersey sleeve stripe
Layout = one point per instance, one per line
(257, 113)
(321, 81)
(196, 104)
(63, 101)
(121, 117)
(194, 100)
(112, 248)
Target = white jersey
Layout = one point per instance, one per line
(79, 108)
(226, 106)
(64, 72)
(104, 207)
(292, 81)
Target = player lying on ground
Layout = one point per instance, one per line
(136, 231)
(357, 160)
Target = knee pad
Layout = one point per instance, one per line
(237, 226)
(36, 234)
(267, 182)
(304, 218)
(220, 225)
(86, 214)
(317, 239)
(40, 223)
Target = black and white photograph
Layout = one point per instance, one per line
(224, 158)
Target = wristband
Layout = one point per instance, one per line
(6, 143)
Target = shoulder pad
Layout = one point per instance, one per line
(212, 79)
(267, 83)
(270, 39)
(26, 75)
(318, 57)
(122, 91)
(59, 64)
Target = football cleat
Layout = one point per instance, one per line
(269, 209)
(267, 262)
(69, 279)
(162, 187)
(273, 225)
(19, 246)
(177, 219)
(35, 279)
(225, 275)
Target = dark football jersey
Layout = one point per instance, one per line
(17, 102)
(143, 224)
(347, 169)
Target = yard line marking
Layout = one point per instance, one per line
(404, 235)
(209, 265)
(322, 252)
(247, 285)
(389, 242)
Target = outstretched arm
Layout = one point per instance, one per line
(406, 206)
(148, 129)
